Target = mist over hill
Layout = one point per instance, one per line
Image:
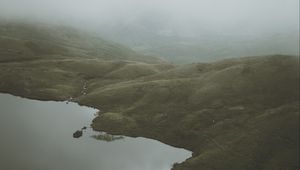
(219, 78)
(178, 31)
(217, 110)
(34, 40)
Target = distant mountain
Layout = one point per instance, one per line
(201, 44)
(207, 49)
(39, 41)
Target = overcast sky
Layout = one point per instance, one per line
(181, 14)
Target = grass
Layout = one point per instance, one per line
(233, 114)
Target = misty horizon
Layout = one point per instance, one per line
(181, 29)
(180, 15)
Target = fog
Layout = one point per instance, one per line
(182, 15)
(145, 25)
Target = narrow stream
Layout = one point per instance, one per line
(38, 135)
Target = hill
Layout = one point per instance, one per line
(29, 41)
(241, 113)
(233, 114)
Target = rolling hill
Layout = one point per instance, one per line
(240, 113)
(26, 41)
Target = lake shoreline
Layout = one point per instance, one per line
(239, 98)
(45, 126)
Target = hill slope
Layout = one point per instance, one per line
(242, 114)
(233, 114)
(39, 41)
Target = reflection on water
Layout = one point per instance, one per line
(37, 135)
(107, 137)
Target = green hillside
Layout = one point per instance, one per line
(232, 114)
(29, 41)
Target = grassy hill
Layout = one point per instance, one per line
(233, 114)
(28, 41)
(240, 113)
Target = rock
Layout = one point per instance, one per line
(77, 134)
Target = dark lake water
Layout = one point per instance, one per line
(37, 135)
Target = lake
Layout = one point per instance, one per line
(37, 135)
